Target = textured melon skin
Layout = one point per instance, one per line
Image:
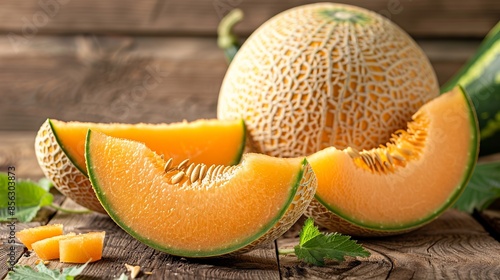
(301, 195)
(57, 166)
(338, 222)
(305, 81)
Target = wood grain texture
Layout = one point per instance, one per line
(17, 149)
(132, 79)
(454, 246)
(424, 18)
(121, 248)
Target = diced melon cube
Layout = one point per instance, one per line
(31, 235)
(48, 249)
(82, 248)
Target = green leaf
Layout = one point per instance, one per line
(29, 198)
(26, 272)
(314, 247)
(44, 273)
(483, 188)
(45, 183)
(309, 231)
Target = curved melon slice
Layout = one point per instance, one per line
(406, 183)
(82, 248)
(60, 148)
(48, 248)
(196, 210)
(29, 236)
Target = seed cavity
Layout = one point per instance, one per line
(403, 146)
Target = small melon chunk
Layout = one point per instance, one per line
(48, 248)
(197, 210)
(404, 184)
(29, 236)
(82, 248)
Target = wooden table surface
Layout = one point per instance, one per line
(455, 246)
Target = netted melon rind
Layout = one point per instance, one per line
(304, 195)
(57, 167)
(303, 82)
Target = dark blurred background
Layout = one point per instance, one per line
(157, 61)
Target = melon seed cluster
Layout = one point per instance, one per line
(194, 172)
(403, 145)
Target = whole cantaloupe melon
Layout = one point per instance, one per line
(325, 75)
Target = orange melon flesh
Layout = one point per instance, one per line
(214, 216)
(31, 235)
(82, 248)
(417, 189)
(48, 248)
(207, 141)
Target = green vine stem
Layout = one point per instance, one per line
(70, 211)
(226, 39)
(288, 251)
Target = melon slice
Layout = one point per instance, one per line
(195, 210)
(82, 248)
(406, 183)
(48, 248)
(60, 148)
(29, 236)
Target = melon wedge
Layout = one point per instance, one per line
(197, 210)
(48, 248)
(406, 183)
(82, 248)
(60, 148)
(29, 236)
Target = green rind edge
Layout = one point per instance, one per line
(241, 150)
(177, 252)
(453, 197)
(70, 157)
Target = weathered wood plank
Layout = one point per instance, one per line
(132, 79)
(16, 149)
(454, 246)
(121, 248)
(28, 18)
(144, 80)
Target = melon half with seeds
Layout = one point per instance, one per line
(324, 75)
(60, 148)
(404, 184)
(195, 210)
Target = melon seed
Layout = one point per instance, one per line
(190, 169)
(182, 164)
(168, 165)
(195, 174)
(177, 177)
